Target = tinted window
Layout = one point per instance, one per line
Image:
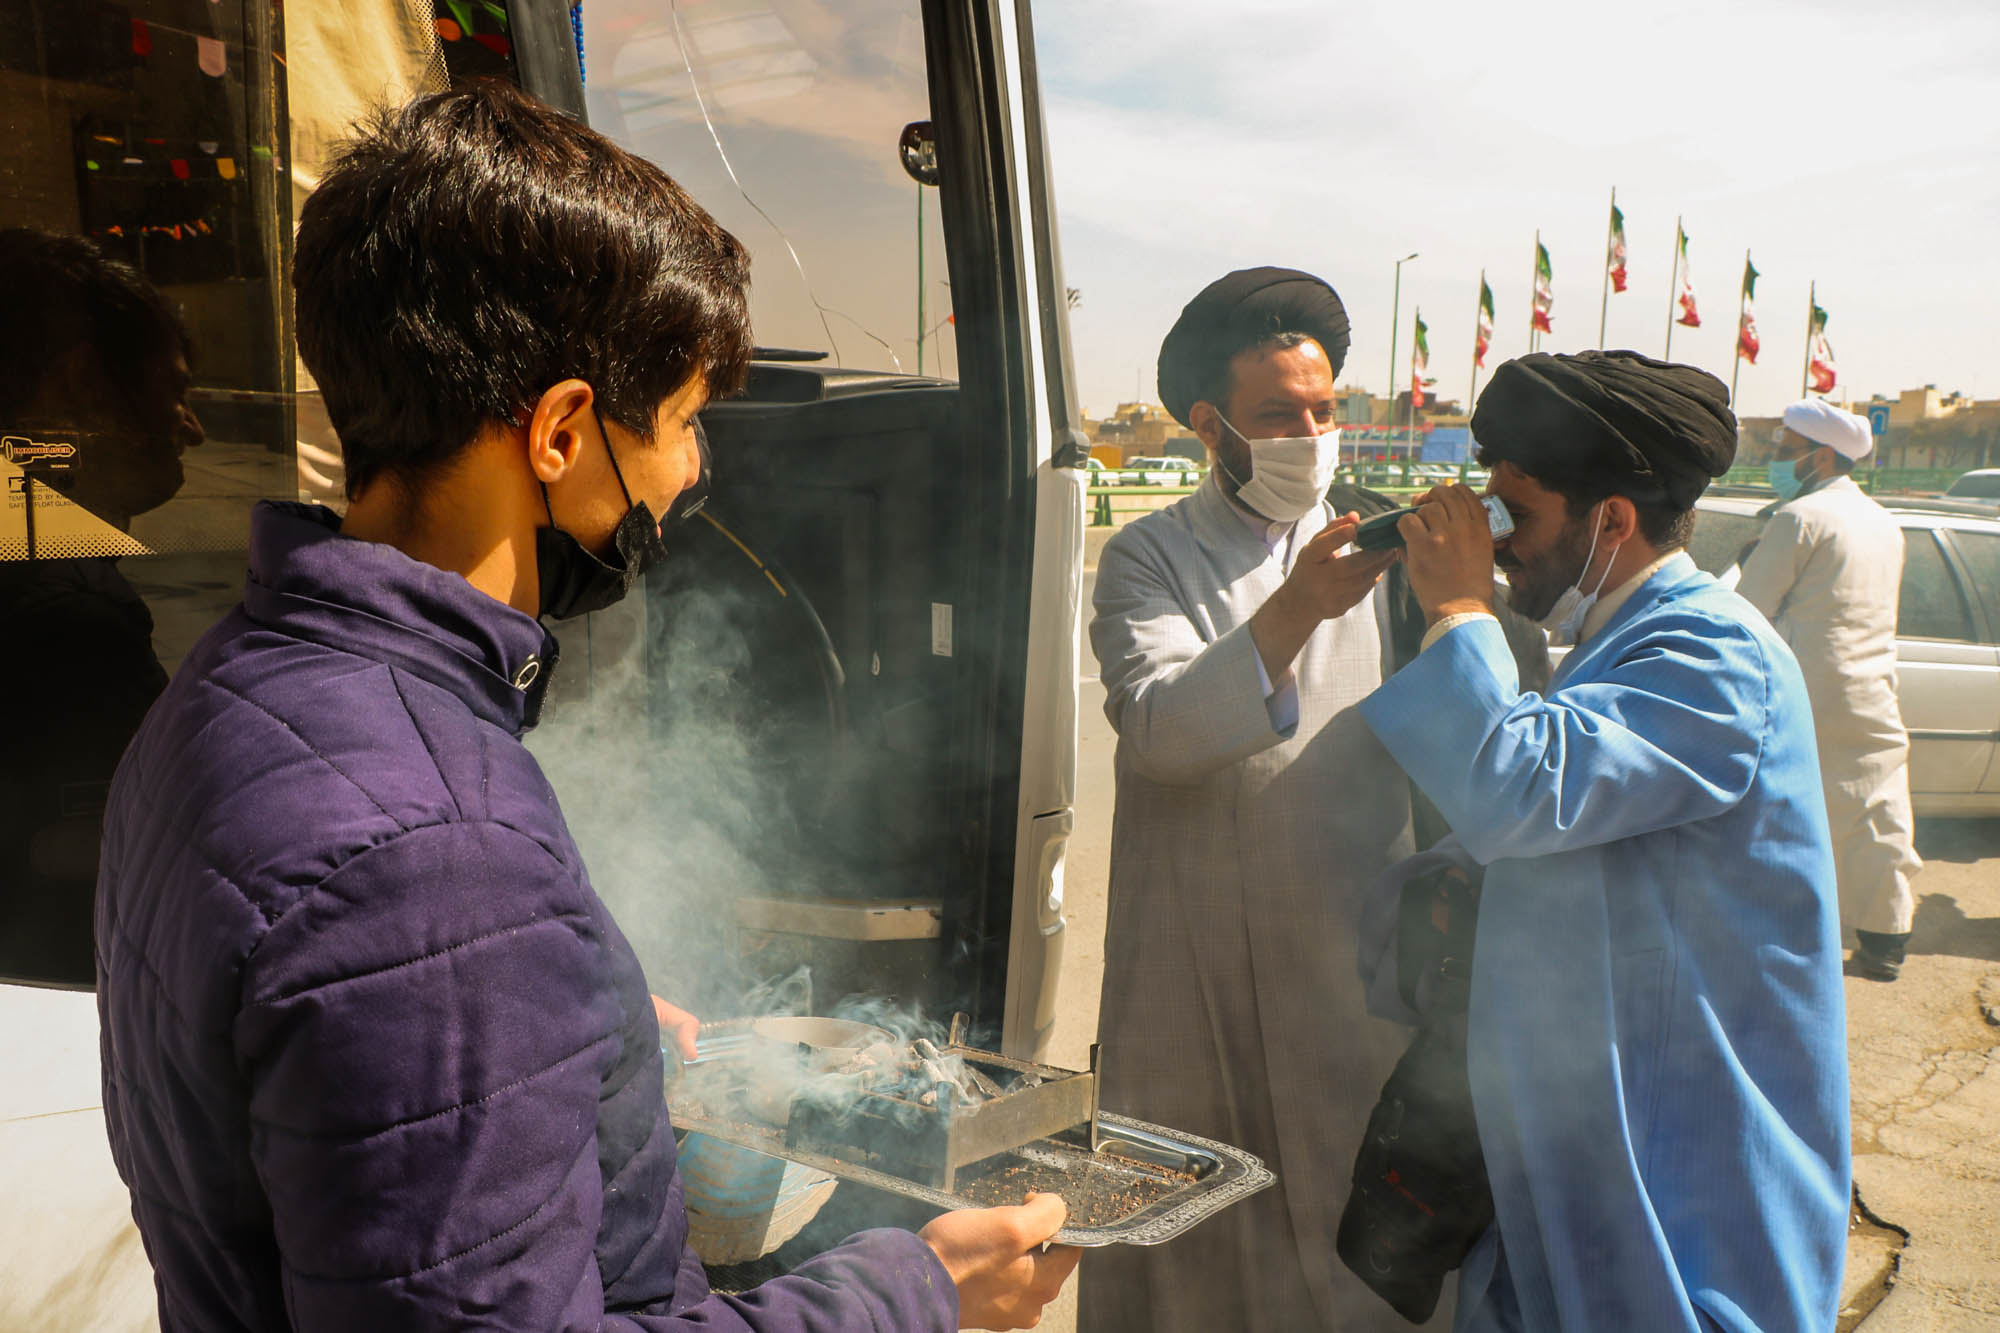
(1980, 552)
(1930, 605)
(1721, 539)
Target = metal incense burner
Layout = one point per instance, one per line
(956, 1127)
(925, 1128)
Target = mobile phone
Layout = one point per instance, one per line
(1379, 533)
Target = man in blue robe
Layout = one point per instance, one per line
(1656, 1026)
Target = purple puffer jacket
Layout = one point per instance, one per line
(375, 1055)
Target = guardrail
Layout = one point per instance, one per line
(1102, 510)
(1885, 481)
(1882, 480)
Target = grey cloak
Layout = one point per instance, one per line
(1232, 1006)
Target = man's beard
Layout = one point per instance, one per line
(1233, 464)
(1534, 589)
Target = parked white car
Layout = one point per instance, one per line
(1978, 484)
(1947, 638)
(1163, 472)
(1096, 474)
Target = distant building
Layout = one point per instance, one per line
(1926, 429)
(1141, 430)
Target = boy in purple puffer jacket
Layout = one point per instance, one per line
(375, 1055)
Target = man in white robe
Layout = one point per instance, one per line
(1826, 572)
(1656, 1029)
(1234, 641)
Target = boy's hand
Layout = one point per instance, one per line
(996, 1258)
(679, 1024)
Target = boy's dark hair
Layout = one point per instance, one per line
(70, 292)
(475, 247)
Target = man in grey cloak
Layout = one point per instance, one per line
(1234, 640)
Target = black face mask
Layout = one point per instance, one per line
(574, 582)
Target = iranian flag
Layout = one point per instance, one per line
(1685, 298)
(1746, 322)
(1545, 297)
(1614, 258)
(1484, 338)
(1420, 361)
(1819, 352)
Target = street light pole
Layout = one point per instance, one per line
(1395, 315)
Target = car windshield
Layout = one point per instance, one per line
(1977, 486)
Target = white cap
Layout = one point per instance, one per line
(1821, 422)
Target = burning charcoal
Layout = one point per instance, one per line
(881, 1055)
(984, 1086)
(935, 1072)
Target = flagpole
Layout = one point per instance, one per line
(1604, 301)
(1472, 393)
(1812, 304)
(1534, 279)
(1673, 290)
(1738, 363)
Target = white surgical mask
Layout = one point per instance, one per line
(1288, 476)
(1565, 619)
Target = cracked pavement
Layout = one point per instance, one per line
(1924, 1061)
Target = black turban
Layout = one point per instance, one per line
(1238, 311)
(1609, 423)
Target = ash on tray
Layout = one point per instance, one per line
(1098, 1191)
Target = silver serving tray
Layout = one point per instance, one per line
(1222, 1175)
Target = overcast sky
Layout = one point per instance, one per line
(1853, 142)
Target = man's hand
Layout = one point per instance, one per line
(1323, 585)
(995, 1257)
(1448, 548)
(678, 1023)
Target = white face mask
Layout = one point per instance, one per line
(1566, 617)
(1288, 476)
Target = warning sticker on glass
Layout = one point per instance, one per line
(941, 629)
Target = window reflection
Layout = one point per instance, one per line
(783, 118)
(95, 393)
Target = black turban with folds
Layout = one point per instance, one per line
(1238, 311)
(1609, 423)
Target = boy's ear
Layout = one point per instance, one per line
(558, 424)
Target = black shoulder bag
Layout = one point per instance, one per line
(1420, 1198)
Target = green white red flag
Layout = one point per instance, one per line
(1614, 256)
(1746, 321)
(1484, 338)
(1819, 353)
(1545, 297)
(1684, 296)
(1420, 361)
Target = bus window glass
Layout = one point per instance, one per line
(154, 157)
(783, 118)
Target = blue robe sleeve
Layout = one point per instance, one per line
(1667, 731)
